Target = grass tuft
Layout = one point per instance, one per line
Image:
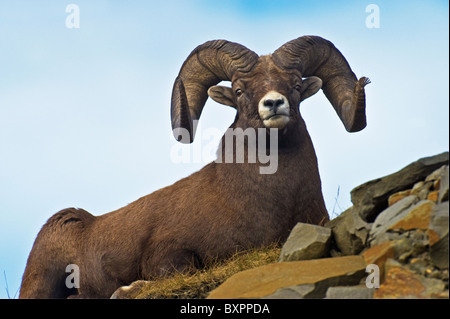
(197, 284)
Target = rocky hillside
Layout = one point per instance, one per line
(392, 243)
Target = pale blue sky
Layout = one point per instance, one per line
(84, 113)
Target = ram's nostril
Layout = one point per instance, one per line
(279, 102)
(269, 103)
(273, 104)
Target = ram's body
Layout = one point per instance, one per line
(222, 208)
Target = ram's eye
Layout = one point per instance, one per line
(298, 88)
(239, 92)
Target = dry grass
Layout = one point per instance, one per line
(199, 283)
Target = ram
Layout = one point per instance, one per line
(225, 206)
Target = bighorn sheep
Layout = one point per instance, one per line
(223, 207)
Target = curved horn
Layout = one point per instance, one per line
(313, 55)
(207, 65)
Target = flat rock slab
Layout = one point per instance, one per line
(306, 241)
(439, 253)
(266, 280)
(350, 292)
(405, 214)
(439, 222)
(418, 217)
(372, 197)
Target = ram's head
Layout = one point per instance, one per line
(266, 90)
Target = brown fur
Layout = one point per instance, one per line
(222, 208)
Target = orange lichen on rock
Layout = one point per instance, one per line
(417, 218)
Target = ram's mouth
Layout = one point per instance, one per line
(275, 116)
(276, 121)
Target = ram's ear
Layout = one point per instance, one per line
(222, 95)
(310, 87)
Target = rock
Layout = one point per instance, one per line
(306, 241)
(264, 281)
(372, 197)
(294, 292)
(394, 198)
(395, 220)
(439, 222)
(433, 196)
(421, 189)
(440, 178)
(444, 185)
(403, 250)
(350, 292)
(418, 217)
(389, 264)
(436, 175)
(422, 266)
(379, 254)
(388, 217)
(350, 232)
(403, 283)
(410, 244)
(439, 253)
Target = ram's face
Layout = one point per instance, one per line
(268, 94)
